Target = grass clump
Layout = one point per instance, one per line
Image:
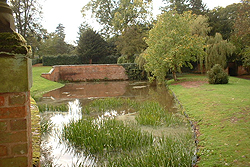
(102, 136)
(102, 105)
(152, 113)
(166, 151)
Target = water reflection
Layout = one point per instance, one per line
(56, 152)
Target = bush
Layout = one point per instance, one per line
(133, 71)
(217, 75)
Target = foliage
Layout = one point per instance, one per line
(196, 6)
(242, 23)
(91, 47)
(61, 60)
(172, 45)
(54, 43)
(246, 57)
(133, 71)
(217, 51)
(217, 75)
(222, 20)
(222, 115)
(26, 14)
(115, 16)
(132, 42)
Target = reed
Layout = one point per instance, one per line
(104, 136)
(166, 151)
(47, 107)
(153, 114)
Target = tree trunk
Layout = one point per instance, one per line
(90, 61)
(174, 76)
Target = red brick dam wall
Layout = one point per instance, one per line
(109, 72)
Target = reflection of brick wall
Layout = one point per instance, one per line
(15, 128)
(87, 89)
(87, 72)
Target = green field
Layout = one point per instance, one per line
(222, 113)
(41, 85)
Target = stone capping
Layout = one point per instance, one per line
(86, 72)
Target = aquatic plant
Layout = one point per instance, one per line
(152, 113)
(166, 151)
(108, 135)
(50, 107)
(102, 105)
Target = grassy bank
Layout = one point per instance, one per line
(222, 113)
(41, 85)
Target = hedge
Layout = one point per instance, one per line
(61, 60)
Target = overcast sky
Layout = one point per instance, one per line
(69, 14)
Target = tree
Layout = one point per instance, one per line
(116, 15)
(217, 51)
(132, 42)
(60, 44)
(222, 20)
(27, 14)
(196, 6)
(172, 45)
(242, 23)
(54, 44)
(91, 47)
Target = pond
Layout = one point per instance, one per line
(78, 96)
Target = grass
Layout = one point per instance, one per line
(41, 85)
(222, 113)
(114, 143)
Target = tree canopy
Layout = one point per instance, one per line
(116, 15)
(172, 45)
(91, 47)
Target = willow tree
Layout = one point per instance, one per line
(172, 45)
(217, 51)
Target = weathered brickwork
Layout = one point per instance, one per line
(15, 130)
(108, 72)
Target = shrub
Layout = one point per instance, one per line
(217, 75)
(61, 60)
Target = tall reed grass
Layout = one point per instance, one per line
(166, 151)
(50, 107)
(108, 135)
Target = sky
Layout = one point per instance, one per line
(69, 14)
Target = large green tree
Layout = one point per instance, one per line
(92, 48)
(222, 20)
(132, 42)
(172, 45)
(116, 15)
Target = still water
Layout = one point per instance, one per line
(54, 151)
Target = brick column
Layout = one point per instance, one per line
(15, 84)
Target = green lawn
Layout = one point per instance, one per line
(41, 85)
(222, 113)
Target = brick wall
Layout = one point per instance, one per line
(87, 72)
(15, 127)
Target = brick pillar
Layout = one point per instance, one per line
(15, 84)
